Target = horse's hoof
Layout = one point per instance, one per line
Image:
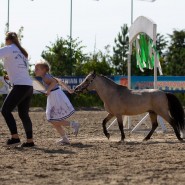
(145, 139)
(181, 140)
(121, 141)
(107, 135)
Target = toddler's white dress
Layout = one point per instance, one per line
(58, 105)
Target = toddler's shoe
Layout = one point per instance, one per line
(63, 141)
(75, 127)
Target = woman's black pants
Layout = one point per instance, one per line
(19, 96)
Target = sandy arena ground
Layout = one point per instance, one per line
(91, 159)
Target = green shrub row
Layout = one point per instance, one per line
(78, 101)
(81, 100)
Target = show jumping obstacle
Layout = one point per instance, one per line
(143, 33)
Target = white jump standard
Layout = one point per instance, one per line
(143, 25)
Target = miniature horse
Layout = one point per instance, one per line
(119, 100)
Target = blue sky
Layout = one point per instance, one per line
(44, 20)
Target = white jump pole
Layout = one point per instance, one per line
(129, 78)
(140, 123)
(115, 120)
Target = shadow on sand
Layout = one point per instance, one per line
(150, 142)
(81, 145)
(45, 150)
(56, 151)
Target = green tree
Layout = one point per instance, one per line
(120, 51)
(161, 44)
(174, 61)
(62, 59)
(20, 33)
(99, 61)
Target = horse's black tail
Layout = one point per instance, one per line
(176, 111)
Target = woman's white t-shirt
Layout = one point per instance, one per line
(16, 65)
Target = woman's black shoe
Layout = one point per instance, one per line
(28, 144)
(13, 142)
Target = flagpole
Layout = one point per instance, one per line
(8, 17)
(8, 22)
(132, 11)
(71, 32)
(71, 24)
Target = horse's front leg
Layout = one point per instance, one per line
(153, 117)
(105, 131)
(120, 124)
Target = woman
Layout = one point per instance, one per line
(15, 63)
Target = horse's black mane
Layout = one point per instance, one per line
(109, 81)
(106, 78)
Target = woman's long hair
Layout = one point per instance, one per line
(13, 37)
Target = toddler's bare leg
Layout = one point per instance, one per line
(59, 128)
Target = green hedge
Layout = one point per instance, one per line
(81, 100)
(39, 100)
(86, 100)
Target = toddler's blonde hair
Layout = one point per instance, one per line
(44, 64)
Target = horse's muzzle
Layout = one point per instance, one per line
(77, 91)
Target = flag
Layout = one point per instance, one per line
(145, 53)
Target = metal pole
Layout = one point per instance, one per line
(132, 11)
(71, 32)
(129, 61)
(155, 57)
(8, 23)
(71, 19)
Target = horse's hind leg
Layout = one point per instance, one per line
(120, 124)
(153, 117)
(108, 117)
